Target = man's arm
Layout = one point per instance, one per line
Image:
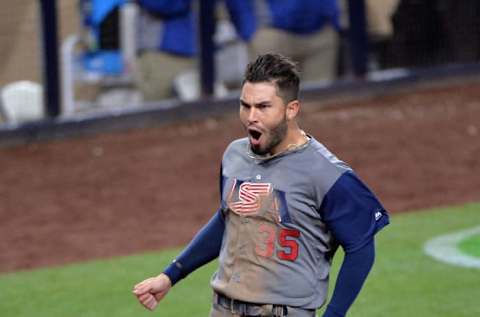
(354, 215)
(203, 248)
(353, 273)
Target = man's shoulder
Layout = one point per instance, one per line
(325, 159)
(237, 145)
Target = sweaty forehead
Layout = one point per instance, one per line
(259, 92)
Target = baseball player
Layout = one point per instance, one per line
(287, 204)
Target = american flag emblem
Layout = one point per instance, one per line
(249, 195)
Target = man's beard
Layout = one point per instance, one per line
(277, 134)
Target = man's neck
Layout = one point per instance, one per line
(295, 137)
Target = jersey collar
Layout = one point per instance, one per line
(291, 148)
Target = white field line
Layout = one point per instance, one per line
(444, 248)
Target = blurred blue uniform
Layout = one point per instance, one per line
(303, 16)
(167, 45)
(305, 30)
(174, 31)
(177, 34)
(296, 16)
(100, 23)
(94, 13)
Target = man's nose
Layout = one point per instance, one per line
(252, 115)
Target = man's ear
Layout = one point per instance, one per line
(293, 107)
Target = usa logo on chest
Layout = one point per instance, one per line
(250, 197)
(262, 200)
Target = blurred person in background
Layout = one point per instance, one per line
(167, 45)
(168, 48)
(380, 28)
(379, 18)
(305, 30)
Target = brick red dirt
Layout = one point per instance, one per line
(116, 194)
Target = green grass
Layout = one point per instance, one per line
(403, 282)
(471, 245)
(406, 282)
(100, 288)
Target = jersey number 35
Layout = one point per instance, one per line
(288, 246)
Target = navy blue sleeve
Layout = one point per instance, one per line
(352, 212)
(203, 248)
(353, 273)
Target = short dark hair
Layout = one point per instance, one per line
(278, 69)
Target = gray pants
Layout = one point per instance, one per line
(220, 310)
(156, 72)
(316, 53)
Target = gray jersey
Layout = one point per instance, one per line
(284, 218)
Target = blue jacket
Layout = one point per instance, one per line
(176, 22)
(177, 33)
(296, 16)
(94, 12)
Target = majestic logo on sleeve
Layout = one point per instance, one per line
(250, 196)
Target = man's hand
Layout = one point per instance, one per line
(151, 291)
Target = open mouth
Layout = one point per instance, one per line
(255, 134)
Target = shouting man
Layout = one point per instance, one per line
(287, 203)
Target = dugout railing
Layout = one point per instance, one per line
(432, 39)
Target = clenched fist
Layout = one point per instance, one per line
(152, 290)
